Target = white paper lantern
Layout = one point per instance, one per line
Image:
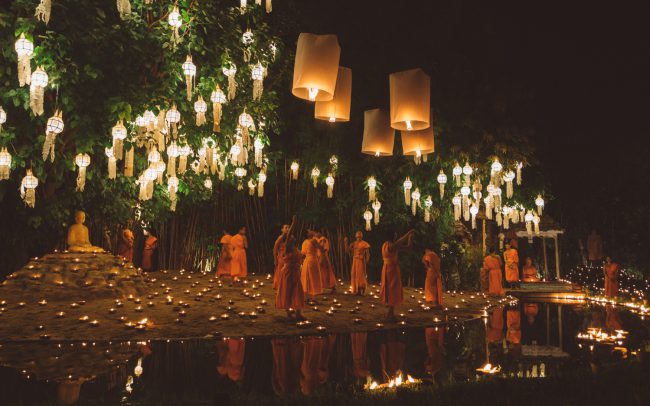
(37, 87)
(295, 167)
(5, 164)
(329, 181)
(230, 70)
(200, 107)
(218, 98)
(442, 180)
(367, 216)
(315, 173)
(376, 206)
(189, 71)
(28, 188)
(53, 128)
(407, 190)
(82, 160)
(24, 51)
(112, 162)
(372, 188)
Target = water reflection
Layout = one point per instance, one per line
(527, 340)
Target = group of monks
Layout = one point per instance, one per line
(232, 261)
(491, 277)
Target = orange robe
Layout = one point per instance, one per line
(314, 348)
(613, 319)
(360, 360)
(326, 350)
(493, 264)
(513, 320)
(328, 279)
(391, 277)
(223, 267)
(125, 245)
(495, 325)
(391, 354)
(287, 357)
(530, 274)
(290, 293)
(231, 358)
(358, 271)
(239, 264)
(435, 340)
(310, 272)
(511, 258)
(611, 279)
(150, 245)
(278, 264)
(433, 281)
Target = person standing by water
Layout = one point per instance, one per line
(610, 269)
(391, 293)
(328, 279)
(492, 263)
(360, 251)
(239, 264)
(150, 251)
(278, 249)
(289, 295)
(511, 258)
(223, 266)
(433, 280)
(530, 272)
(310, 271)
(125, 240)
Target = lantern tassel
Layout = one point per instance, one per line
(216, 117)
(200, 119)
(124, 8)
(427, 215)
(48, 146)
(232, 87)
(442, 190)
(368, 226)
(128, 162)
(29, 197)
(149, 190)
(24, 70)
(222, 170)
(43, 11)
(81, 179)
(118, 148)
(188, 86)
(112, 168)
(258, 88)
(260, 189)
(509, 189)
(36, 98)
(269, 6)
(171, 166)
(182, 164)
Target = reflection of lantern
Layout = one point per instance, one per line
(376, 205)
(53, 128)
(119, 134)
(407, 191)
(5, 164)
(175, 20)
(259, 148)
(428, 202)
(329, 181)
(261, 178)
(189, 71)
(28, 188)
(82, 161)
(200, 107)
(410, 100)
(367, 215)
(378, 136)
(442, 180)
(508, 177)
(218, 98)
(37, 87)
(172, 188)
(456, 201)
(257, 74)
(295, 166)
(315, 173)
(372, 188)
(112, 162)
(539, 202)
(457, 171)
(473, 211)
(316, 67)
(230, 70)
(337, 109)
(24, 51)
(416, 143)
(415, 201)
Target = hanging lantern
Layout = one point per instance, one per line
(410, 100)
(230, 70)
(378, 136)
(367, 215)
(520, 165)
(417, 143)
(150, 175)
(128, 162)
(334, 163)
(508, 177)
(261, 178)
(465, 191)
(315, 173)
(159, 167)
(28, 188)
(37, 87)
(203, 164)
(337, 109)
(258, 72)
(53, 128)
(218, 98)
(200, 107)
(3, 117)
(407, 190)
(189, 71)
(528, 218)
(295, 166)
(329, 181)
(376, 205)
(473, 211)
(251, 187)
(372, 189)
(5, 164)
(246, 123)
(442, 180)
(415, 201)
(222, 169)
(208, 184)
(259, 148)
(240, 173)
(154, 155)
(43, 11)
(316, 67)
(24, 51)
(82, 161)
(506, 217)
(456, 201)
(119, 134)
(112, 162)
(247, 39)
(269, 6)
(457, 171)
(172, 188)
(428, 202)
(488, 207)
(467, 172)
(495, 172)
(242, 6)
(183, 153)
(175, 21)
(536, 221)
(497, 198)
(539, 202)
(173, 151)
(173, 117)
(235, 150)
(124, 8)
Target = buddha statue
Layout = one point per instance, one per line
(78, 240)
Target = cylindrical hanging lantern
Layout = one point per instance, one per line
(82, 161)
(417, 143)
(367, 215)
(337, 109)
(316, 67)
(376, 205)
(28, 188)
(295, 166)
(378, 136)
(410, 99)
(5, 164)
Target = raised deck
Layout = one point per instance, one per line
(547, 291)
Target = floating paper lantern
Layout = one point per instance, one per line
(230, 70)
(24, 51)
(218, 98)
(378, 136)
(539, 202)
(337, 109)
(175, 21)
(315, 173)
(407, 191)
(415, 201)
(124, 8)
(112, 162)
(410, 100)
(5, 164)
(372, 187)
(173, 151)
(43, 11)
(442, 180)
(82, 160)
(28, 188)
(329, 181)
(37, 87)
(261, 179)
(376, 206)
(457, 171)
(295, 167)
(172, 188)
(417, 143)
(119, 134)
(257, 74)
(367, 215)
(53, 128)
(428, 202)
(200, 107)
(316, 67)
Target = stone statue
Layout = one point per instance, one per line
(78, 240)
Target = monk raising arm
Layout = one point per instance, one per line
(405, 241)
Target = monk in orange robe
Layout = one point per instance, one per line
(326, 350)
(391, 354)
(513, 320)
(231, 358)
(360, 360)
(328, 279)
(239, 263)
(278, 248)
(223, 266)
(433, 281)
(529, 271)
(610, 270)
(391, 276)
(125, 241)
(150, 246)
(495, 325)
(287, 358)
(310, 271)
(492, 263)
(360, 251)
(289, 295)
(511, 258)
(435, 340)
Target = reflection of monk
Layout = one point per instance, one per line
(531, 310)
(495, 325)
(287, 358)
(613, 319)
(435, 339)
(78, 236)
(391, 354)
(68, 391)
(360, 361)
(125, 241)
(326, 350)
(492, 263)
(611, 277)
(594, 248)
(231, 358)
(513, 320)
(314, 348)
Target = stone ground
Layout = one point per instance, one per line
(181, 305)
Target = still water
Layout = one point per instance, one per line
(525, 341)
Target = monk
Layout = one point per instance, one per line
(289, 295)
(433, 280)
(328, 279)
(239, 264)
(78, 236)
(287, 358)
(149, 257)
(492, 263)
(391, 354)
(360, 360)
(391, 276)
(529, 271)
(225, 258)
(594, 248)
(435, 340)
(310, 272)
(314, 347)
(610, 269)
(360, 251)
(511, 258)
(125, 241)
(277, 257)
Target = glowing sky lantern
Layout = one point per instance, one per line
(337, 109)
(316, 67)
(378, 136)
(410, 100)
(418, 144)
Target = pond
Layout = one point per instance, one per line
(523, 341)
